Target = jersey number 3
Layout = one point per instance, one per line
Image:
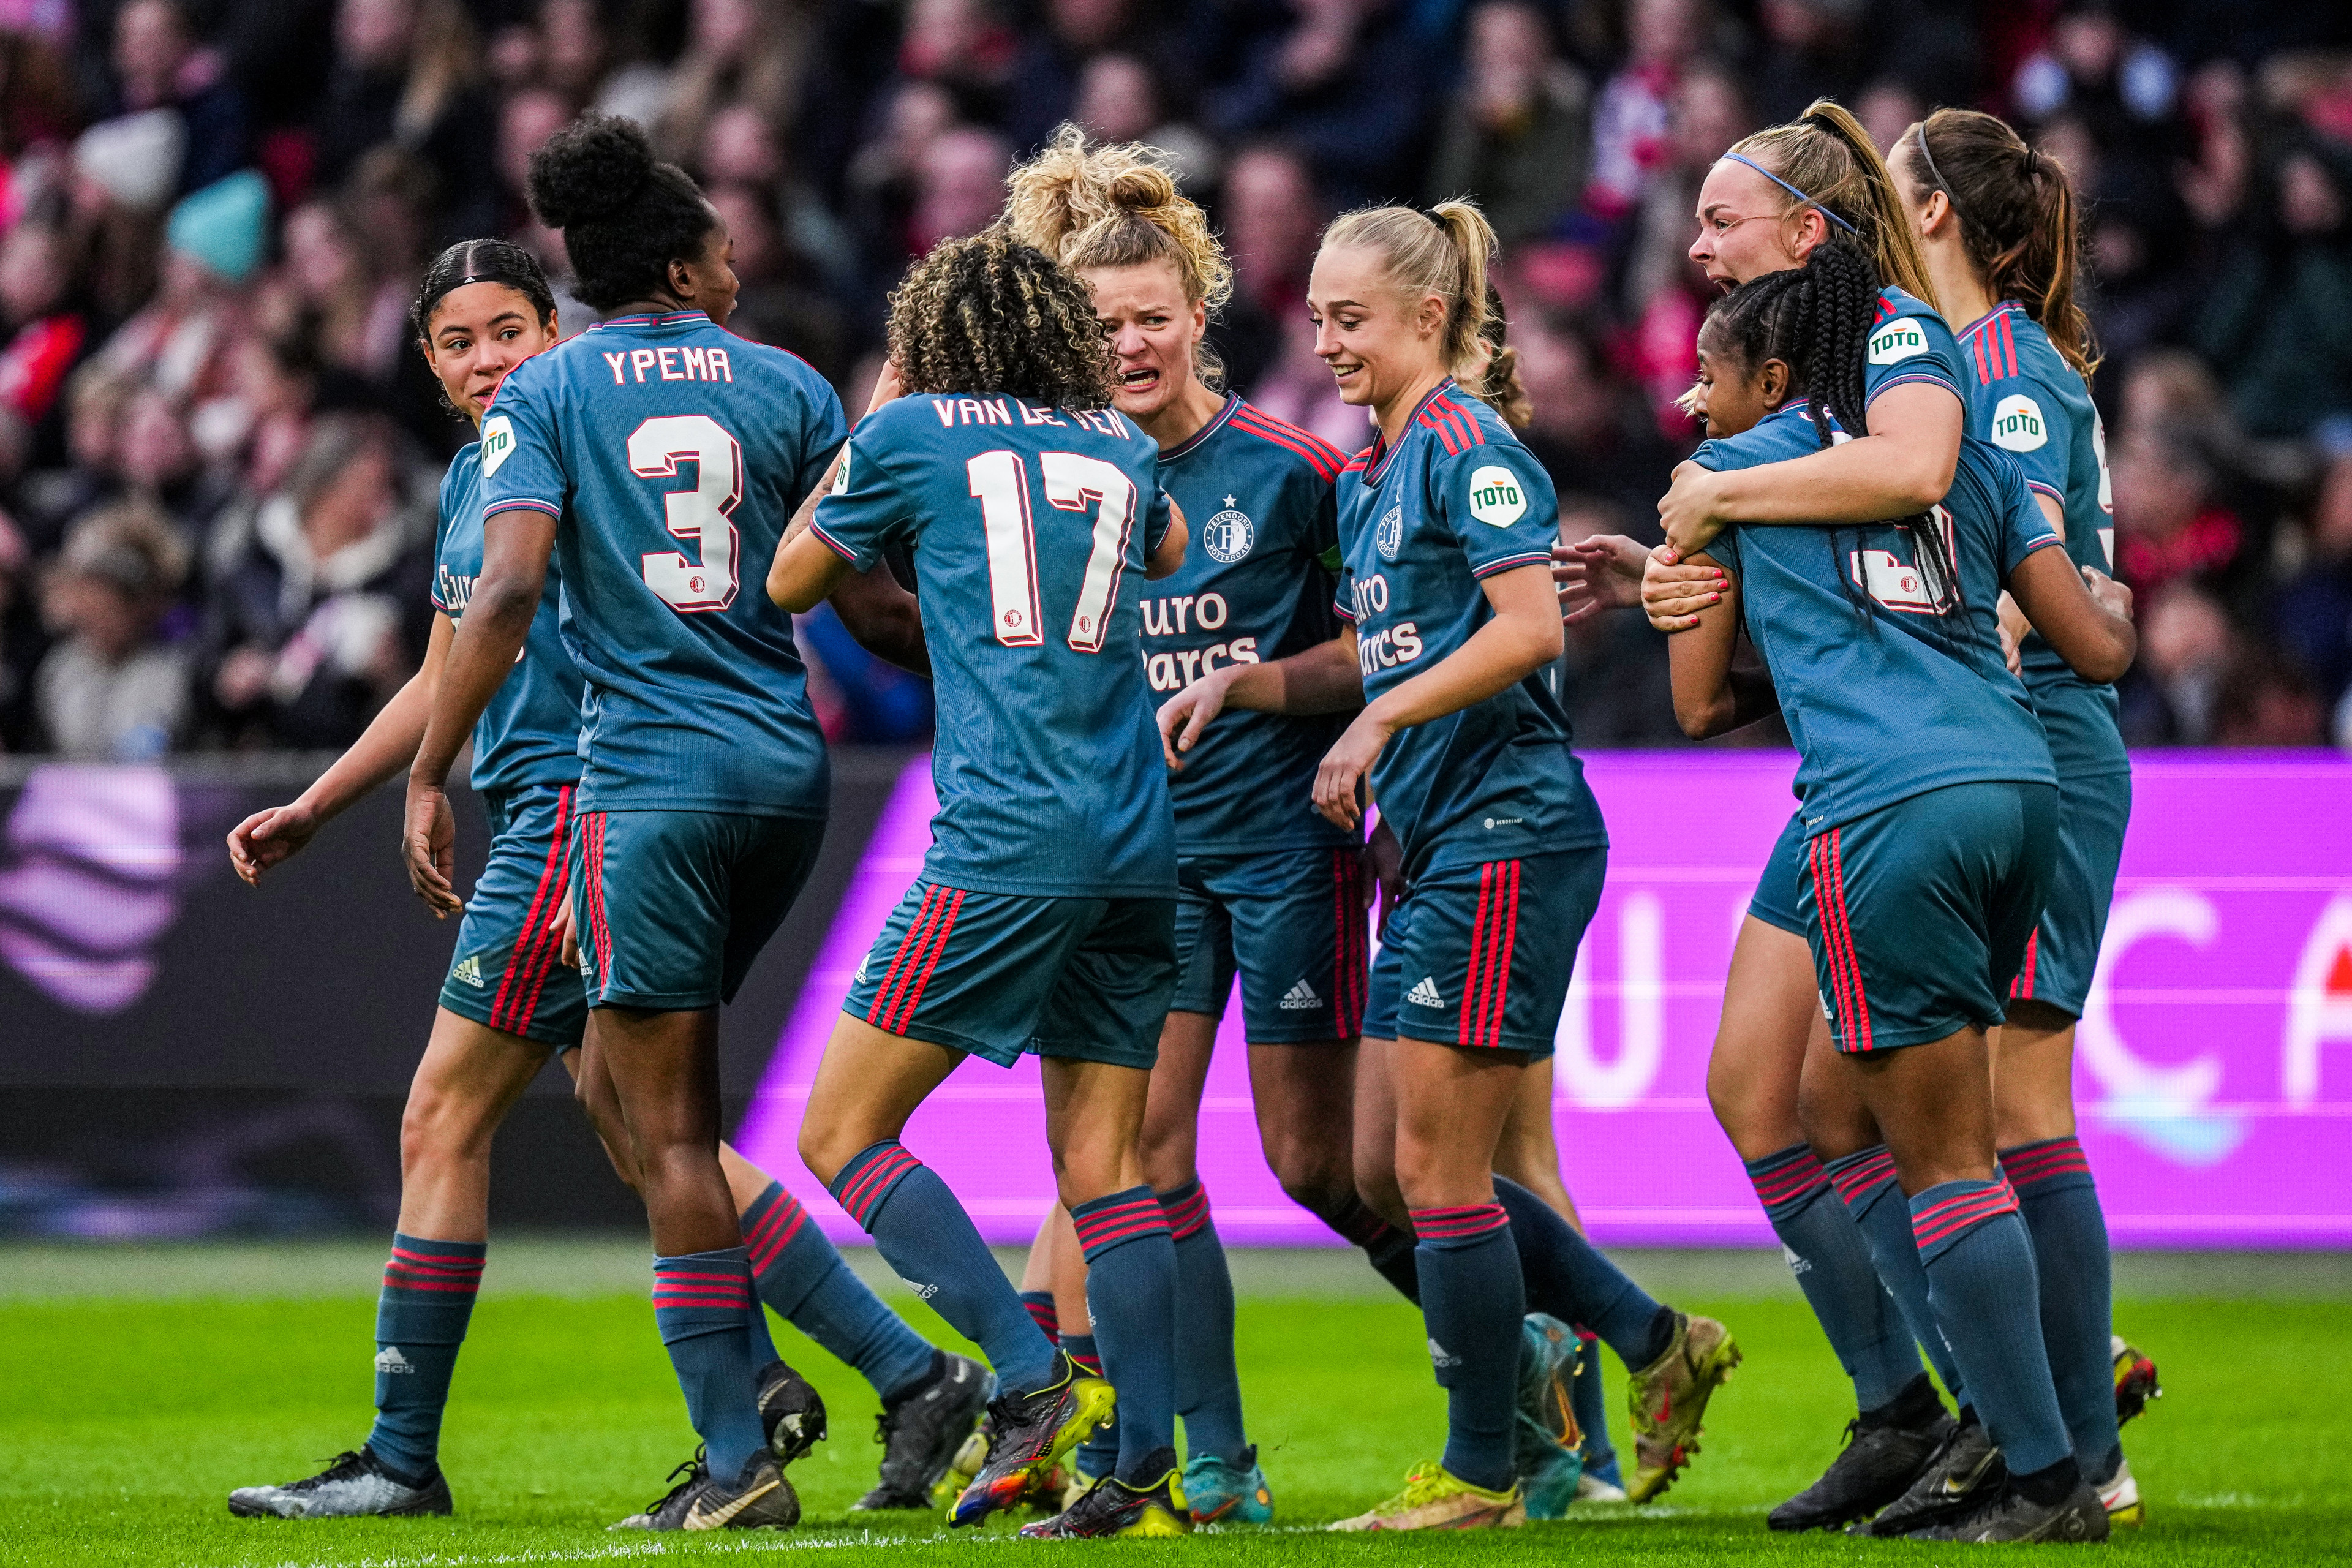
(699, 514)
(1073, 481)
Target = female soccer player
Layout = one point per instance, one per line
(1266, 885)
(1044, 918)
(1997, 224)
(702, 787)
(1765, 207)
(484, 307)
(1445, 523)
(1929, 809)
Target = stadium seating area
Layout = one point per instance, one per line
(218, 450)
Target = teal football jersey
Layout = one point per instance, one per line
(529, 733)
(1909, 344)
(1030, 527)
(1457, 500)
(1892, 684)
(673, 453)
(2027, 400)
(1257, 585)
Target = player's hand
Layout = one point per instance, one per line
(266, 837)
(1338, 782)
(2108, 594)
(567, 934)
(1673, 594)
(1385, 857)
(1689, 511)
(1183, 716)
(1602, 571)
(888, 388)
(2009, 653)
(428, 844)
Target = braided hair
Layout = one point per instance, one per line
(989, 314)
(1816, 319)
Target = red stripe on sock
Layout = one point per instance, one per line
(1188, 1216)
(860, 1195)
(1043, 1314)
(1454, 1223)
(2030, 1164)
(1801, 1174)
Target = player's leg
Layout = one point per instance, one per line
(1564, 1454)
(1920, 912)
(1098, 1043)
(1207, 1387)
(506, 1002)
(1770, 1012)
(2034, 1112)
(671, 906)
(468, 1079)
(954, 973)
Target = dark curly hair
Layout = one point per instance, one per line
(624, 213)
(481, 261)
(990, 314)
(1817, 319)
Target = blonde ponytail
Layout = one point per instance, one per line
(1447, 251)
(1827, 154)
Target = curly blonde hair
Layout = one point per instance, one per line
(1090, 205)
(989, 314)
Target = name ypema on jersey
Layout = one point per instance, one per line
(672, 454)
(1030, 526)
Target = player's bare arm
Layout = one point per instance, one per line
(387, 746)
(482, 653)
(1523, 637)
(1903, 466)
(1321, 679)
(805, 571)
(1706, 697)
(2083, 614)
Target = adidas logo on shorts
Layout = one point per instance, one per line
(390, 1360)
(1298, 998)
(468, 970)
(1426, 993)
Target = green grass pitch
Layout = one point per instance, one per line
(125, 1422)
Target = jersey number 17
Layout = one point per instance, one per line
(1073, 482)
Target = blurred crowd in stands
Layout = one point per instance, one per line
(219, 448)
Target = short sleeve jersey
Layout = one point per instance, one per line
(530, 732)
(673, 453)
(1256, 584)
(1457, 500)
(1891, 683)
(2024, 398)
(1029, 527)
(1910, 344)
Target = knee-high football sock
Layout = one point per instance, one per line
(1831, 1262)
(1387, 1248)
(1098, 1454)
(420, 1322)
(1132, 1292)
(703, 1303)
(1981, 1281)
(928, 1239)
(1586, 1399)
(1041, 1312)
(1570, 1279)
(1208, 1386)
(1864, 1181)
(1472, 1300)
(800, 1274)
(2061, 1207)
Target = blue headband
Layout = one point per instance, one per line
(1809, 201)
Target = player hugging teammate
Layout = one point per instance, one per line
(1093, 539)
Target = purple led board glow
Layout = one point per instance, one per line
(2213, 1073)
